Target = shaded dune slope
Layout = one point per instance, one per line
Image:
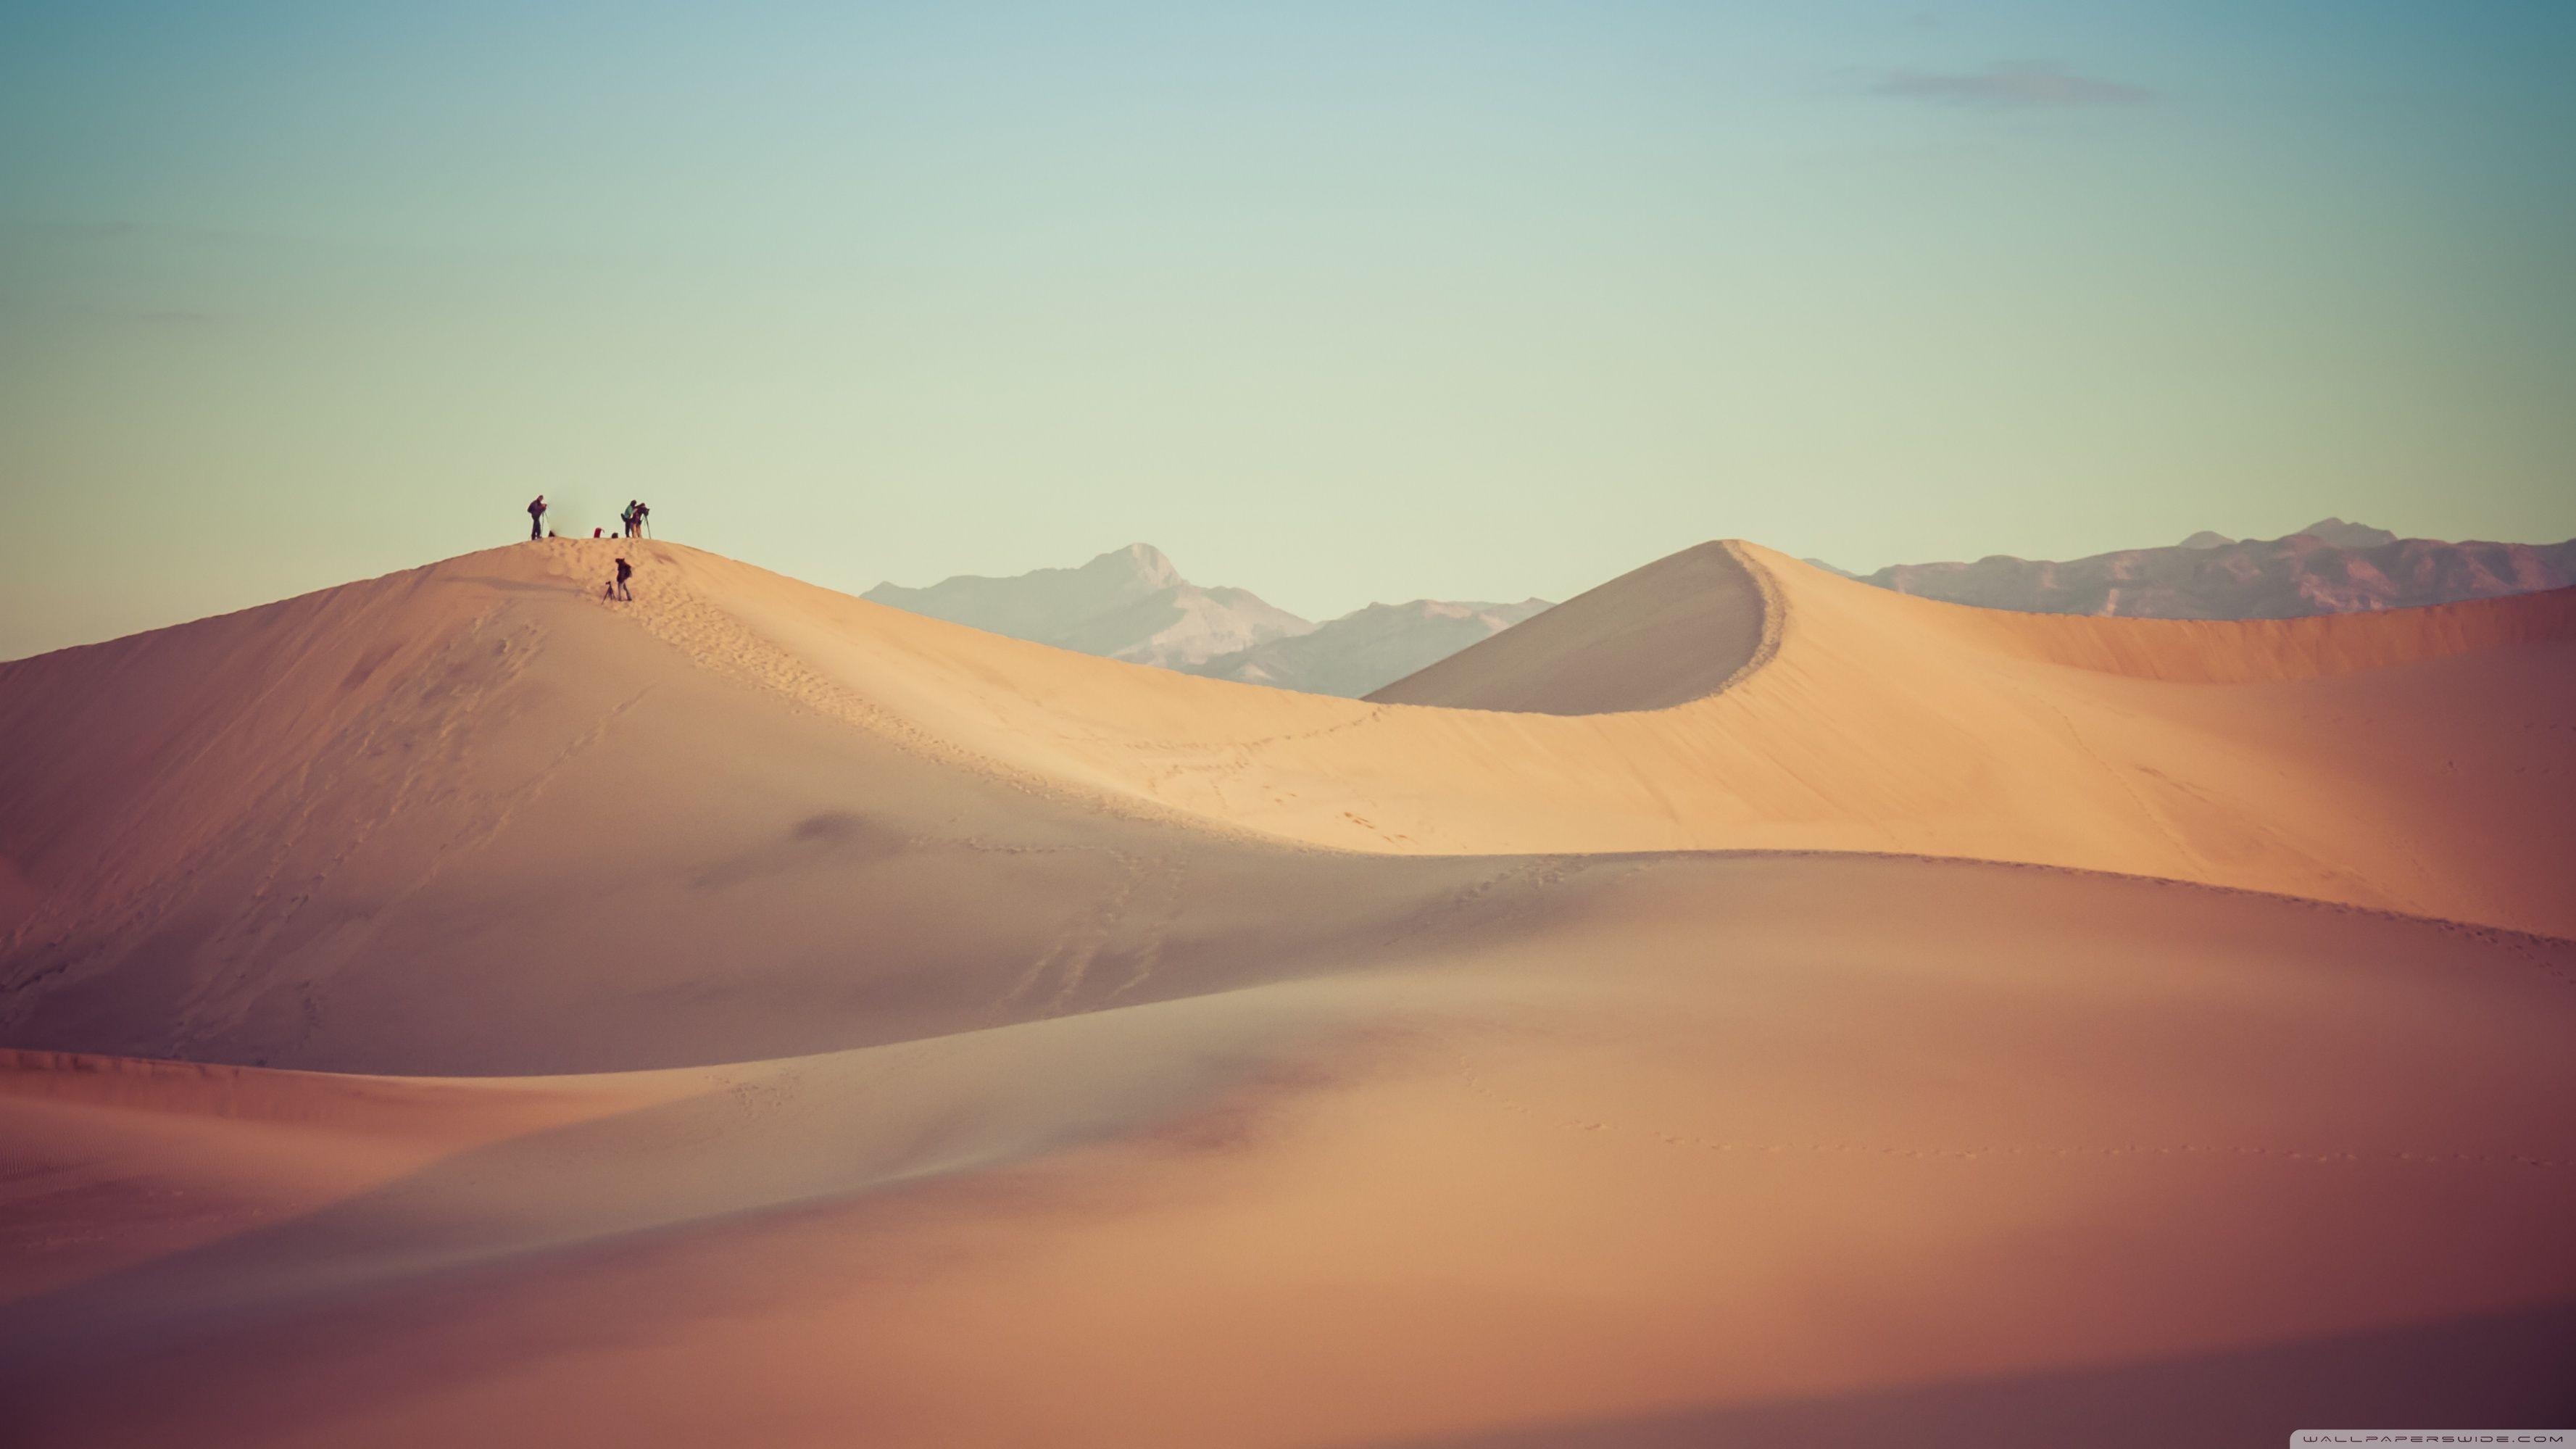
(1905, 1087)
(1680, 628)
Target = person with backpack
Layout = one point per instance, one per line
(537, 518)
(617, 588)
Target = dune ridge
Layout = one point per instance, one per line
(1680, 629)
(453, 1006)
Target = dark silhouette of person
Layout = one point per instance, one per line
(643, 515)
(617, 590)
(537, 517)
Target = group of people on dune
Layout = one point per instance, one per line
(632, 519)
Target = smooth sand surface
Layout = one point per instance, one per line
(1753, 1007)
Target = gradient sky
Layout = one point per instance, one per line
(1334, 302)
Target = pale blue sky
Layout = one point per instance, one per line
(1334, 302)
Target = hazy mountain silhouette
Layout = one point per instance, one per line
(2329, 567)
(1129, 603)
(1133, 604)
(1369, 648)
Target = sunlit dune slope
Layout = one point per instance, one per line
(2415, 760)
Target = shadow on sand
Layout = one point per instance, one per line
(2501, 1371)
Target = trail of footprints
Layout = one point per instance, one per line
(1513, 894)
(1146, 895)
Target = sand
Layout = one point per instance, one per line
(1752, 1007)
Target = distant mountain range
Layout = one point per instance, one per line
(1363, 651)
(1132, 604)
(2329, 567)
(1129, 603)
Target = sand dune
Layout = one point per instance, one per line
(1738, 997)
(1879, 723)
(1674, 631)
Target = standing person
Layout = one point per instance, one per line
(628, 518)
(537, 517)
(623, 570)
(643, 516)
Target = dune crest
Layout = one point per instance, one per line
(1679, 629)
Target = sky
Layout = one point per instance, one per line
(1336, 302)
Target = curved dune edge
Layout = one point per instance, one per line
(1775, 616)
(1678, 630)
(178, 1088)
